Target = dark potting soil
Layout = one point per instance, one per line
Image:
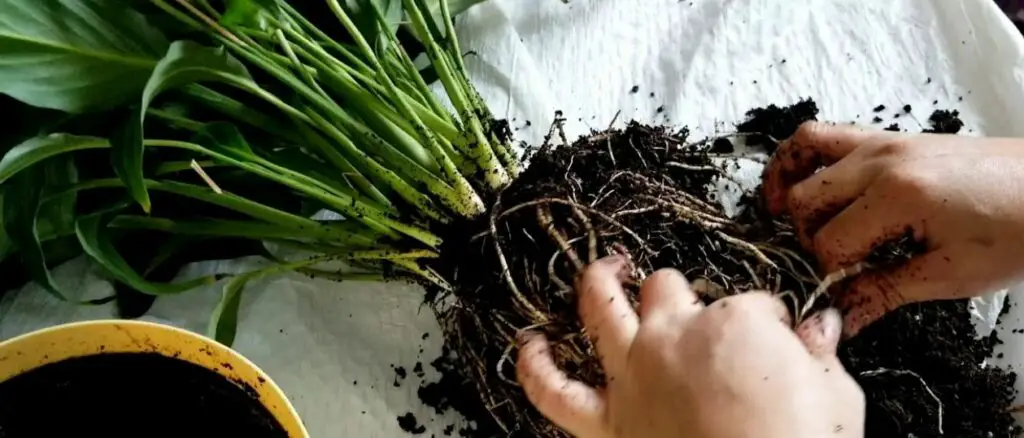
(945, 122)
(645, 192)
(130, 395)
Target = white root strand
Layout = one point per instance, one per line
(927, 388)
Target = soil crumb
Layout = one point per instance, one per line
(775, 122)
(945, 122)
(409, 423)
(896, 251)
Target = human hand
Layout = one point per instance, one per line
(962, 197)
(680, 370)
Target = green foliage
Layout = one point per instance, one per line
(95, 238)
(75, 55)
(20, 206)
(185, 63)
(262, 113)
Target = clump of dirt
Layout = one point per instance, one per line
(945, 122)
(773, 123)
(646, 192)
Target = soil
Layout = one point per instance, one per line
(945, 122)
(645, 192)
(130, 394)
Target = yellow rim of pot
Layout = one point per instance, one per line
(53, 344)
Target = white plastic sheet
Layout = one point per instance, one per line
(331, 346)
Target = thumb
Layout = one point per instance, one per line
(821, 332)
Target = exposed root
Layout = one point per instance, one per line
(749, 247)
(829, 280)
(927, 388)
(607, 194)
(505, 271)
(548, 224)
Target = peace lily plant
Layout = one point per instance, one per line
(144, 153)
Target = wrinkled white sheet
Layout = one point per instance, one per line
(331, 346)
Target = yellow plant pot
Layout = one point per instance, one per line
(41, 347)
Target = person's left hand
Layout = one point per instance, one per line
(734, 369)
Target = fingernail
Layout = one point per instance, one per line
(525, 336)
(612, 260)
(831, 324)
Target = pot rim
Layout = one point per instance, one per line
(238, 368)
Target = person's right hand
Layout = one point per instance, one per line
(963, 198)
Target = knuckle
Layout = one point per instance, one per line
(807, 133)
(890, 149)
(906, 180)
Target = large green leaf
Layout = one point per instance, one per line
(186, 62)
(75, 55)
(21, 196)
(94, 236)
(37, 149)
(59, 212)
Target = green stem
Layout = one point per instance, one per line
(348, 171)
(237, 110)
(229, 228)
(347, 77)
(167, 167)
(302, 225)
(393, 157)
(354, 33)
(346, 205)
(479, 150)
(324, 38)
(175, 120)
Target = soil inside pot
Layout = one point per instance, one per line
(646, 192)
(130, 394)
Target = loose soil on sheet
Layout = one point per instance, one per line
(647, 192)
(130, 394)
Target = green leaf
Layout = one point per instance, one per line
(59, 212)
(363, 15)
(223, 323)
(225, 138)
(249, 13)
(75, 55)
(21, 196)
(37, 149)
(185, 63)
(94, 236)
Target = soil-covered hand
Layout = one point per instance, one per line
(682, 370)
(961, 197)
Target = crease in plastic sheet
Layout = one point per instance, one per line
(331, 346)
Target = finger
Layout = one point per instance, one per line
(812, 146)
(756, 303)
(872, 294)
(570, 404)
(815, 201)
(857, 231)
(666, 293)
(821, 332)
(606, 313)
